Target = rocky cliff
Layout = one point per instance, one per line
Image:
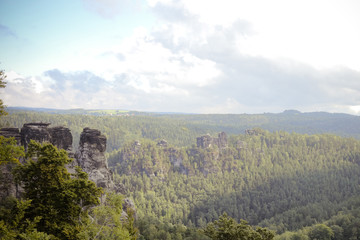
(90, 156)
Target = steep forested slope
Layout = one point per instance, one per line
(279, 180)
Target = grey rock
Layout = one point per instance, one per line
(7, 184)
(61, 137)
(90, 156)
(11, 132)
(34, 131)
(207, 141)
(204, 141)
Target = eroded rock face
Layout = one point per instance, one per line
(7, 184)
(90, 156)
(207, 141)
(221, 140)
(11, 132)
(204, 141)
(35, 131)
(61, 137)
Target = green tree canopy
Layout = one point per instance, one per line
(10, 152)
(58, 201)
(321, 232)
(2, 85)
(108, 222)
(227, 228)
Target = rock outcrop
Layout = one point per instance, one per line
(91, 157)
(207, 141)
(61, 137)
(204, 141)
(7, 184)
(11, 132)
(41, 132)
(35, 131)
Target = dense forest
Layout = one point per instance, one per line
(287, 174)
(277, 180)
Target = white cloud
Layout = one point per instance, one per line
(321, 33)
(216, 56)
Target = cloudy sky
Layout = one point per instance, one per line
(194, 56)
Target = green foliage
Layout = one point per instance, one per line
(154, 228)
(117, 129)
(10, 152)
(181, 130)
(277, 180)
(106, 221)
(344, 225)
(321, 232)
(2, 85)
(227, 228)
(58, 202)
(59, 205)
(15, 226)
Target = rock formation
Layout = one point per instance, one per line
(61, 137)
(41, 132)
(221, 140)
(7, 184)
(162, 143)
(35, 131)
(252, 132)
(90, 155)
(91, 158)
(206, 141)
(11, 132)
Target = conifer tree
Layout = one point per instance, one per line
(58, 201)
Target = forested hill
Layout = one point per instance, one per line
(289, 121)
(182, 129)
(283, 181)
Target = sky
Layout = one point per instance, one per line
(189, 56)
